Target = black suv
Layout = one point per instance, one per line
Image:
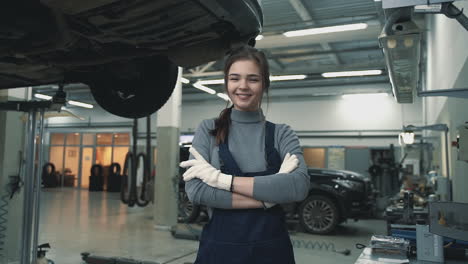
(334, 197)
(126, 51)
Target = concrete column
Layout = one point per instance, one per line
(167, 161)
(11, 143)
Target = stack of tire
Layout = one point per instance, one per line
(49, 176)
(96, 180)
(114, 180)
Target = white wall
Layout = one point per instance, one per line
(447, 68)
(323, 115)
(340, 114)
(446, 55)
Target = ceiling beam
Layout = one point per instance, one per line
(280, 27)
(301, 10)
(203, 68)
(321, 52)
(277, 63)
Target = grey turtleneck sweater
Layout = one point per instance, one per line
(247, 146)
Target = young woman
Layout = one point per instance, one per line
(241, 167)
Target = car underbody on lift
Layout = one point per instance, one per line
(126, 51)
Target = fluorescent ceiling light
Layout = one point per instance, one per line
(43, 96)
(288, 77)
(365, 96)
(184, 80)
(223, 96)
(207, 82)
(351, 73)
(323, 30)
(80, 104)
(259, 37)
(76, 103)
(204, 88)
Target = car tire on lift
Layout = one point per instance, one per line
(135, 90)
(318, 214)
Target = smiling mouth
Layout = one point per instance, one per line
(244, 95)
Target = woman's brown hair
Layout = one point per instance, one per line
(222, 123)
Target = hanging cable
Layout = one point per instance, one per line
(129, 190)
(13, 187)
(3, 219)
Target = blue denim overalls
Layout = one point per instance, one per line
(247, 236)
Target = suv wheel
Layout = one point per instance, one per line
(318, 214)
(188, 212)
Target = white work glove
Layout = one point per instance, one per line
(200, 168)
(289, 164)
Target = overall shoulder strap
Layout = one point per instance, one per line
(269, 135)
(228, 164)
(272, 156)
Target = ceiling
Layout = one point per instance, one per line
(315, 54)
(309, 55)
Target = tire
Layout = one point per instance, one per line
(318, 214)
(134, 89)
(48, 179)
(188, 212)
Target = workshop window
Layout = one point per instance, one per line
(104, 139)
(88, 139)
(57, 139)
(73, 154)
(70, 172)
(121, 139)
(56, 157)
(73, 139)
(103, 155)
(314, 157)
(119, 155)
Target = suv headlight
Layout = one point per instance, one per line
(353, 185)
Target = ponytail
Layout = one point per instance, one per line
(222, 123)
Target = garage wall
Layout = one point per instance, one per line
(447, 68)
(320, 121)
(91, 117)
(99, 120)
(446, 58)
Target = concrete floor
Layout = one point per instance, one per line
(75, 221)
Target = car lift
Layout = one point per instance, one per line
(32, 179)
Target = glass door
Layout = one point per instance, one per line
(86, 164)
(104, 158)
(70, 171)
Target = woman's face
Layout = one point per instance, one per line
(245, 85)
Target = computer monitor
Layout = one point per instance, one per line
(185, 139)
(449, 219)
